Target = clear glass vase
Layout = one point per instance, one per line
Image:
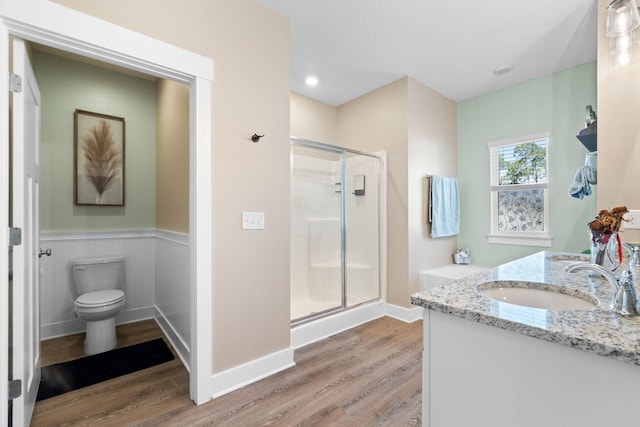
(606, 249)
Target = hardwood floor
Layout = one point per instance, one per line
(370, 375)
(126, 400)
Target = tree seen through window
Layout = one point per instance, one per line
(522, 164)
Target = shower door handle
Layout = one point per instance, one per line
(46, 252)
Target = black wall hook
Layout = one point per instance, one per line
(255, 137)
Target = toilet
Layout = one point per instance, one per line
(99, 282)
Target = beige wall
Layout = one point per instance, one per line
(172, 157)
(250, 49)
(313, 120)
(618, 130)
(374, 122)
(432, 151)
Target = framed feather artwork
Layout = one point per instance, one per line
(98, 159)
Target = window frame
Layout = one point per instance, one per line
(524, 238)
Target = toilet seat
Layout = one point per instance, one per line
(100, 299)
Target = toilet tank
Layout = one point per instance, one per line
(98, 274)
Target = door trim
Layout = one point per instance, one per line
(65, 29)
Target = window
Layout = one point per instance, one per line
(519, 191)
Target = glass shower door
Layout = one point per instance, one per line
(362, 229)
(316, 232)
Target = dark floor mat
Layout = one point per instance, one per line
(64, 377)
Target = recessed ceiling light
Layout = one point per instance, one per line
(504, 69)
(311, 80)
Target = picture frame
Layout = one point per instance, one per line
(99, 159)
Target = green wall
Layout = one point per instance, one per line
(554, 103)
(65, 86)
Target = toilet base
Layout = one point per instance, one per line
(101, 336)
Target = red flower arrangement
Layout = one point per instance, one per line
(606, 224)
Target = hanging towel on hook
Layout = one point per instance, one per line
(445, 207)
(585, 176)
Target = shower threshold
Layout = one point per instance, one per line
(309, 330)
(315, 315)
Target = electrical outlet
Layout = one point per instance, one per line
(633, 220)
(253, 220)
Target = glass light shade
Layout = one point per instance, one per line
(622, 17)
(621, 44)
(623, 50)
(623, 59)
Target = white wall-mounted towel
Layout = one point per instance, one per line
(444, 206)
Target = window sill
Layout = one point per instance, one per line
(543, 241)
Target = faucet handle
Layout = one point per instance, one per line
(634, 260)
(634, 254)
(625, 300)
(626, 276)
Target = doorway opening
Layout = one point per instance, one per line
(150, 230)
(67, 30)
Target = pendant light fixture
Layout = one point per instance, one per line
(623, 21)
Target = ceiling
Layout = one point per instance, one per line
(356, 46)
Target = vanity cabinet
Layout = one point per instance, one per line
(480, 375)
(488, 363)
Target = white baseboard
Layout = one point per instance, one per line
(178, 344)
(239, 376)
(317, 330)
(76, 326)
(408, 315)
(62, 329)
(305, 334)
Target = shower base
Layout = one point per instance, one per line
(317, 329)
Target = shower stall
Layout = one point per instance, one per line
(335, 229)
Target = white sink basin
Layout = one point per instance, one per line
(538, 295)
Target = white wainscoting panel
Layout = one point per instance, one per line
(172, 289)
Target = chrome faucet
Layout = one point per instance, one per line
(624, 301)
(634, 254)
(634, 257)
(634, 263)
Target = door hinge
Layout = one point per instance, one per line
(15, 389)
(15, 83)
(15, 236)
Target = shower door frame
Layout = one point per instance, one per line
(382, 223)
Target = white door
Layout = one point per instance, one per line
(25, 328)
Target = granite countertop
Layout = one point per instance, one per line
(596, 330)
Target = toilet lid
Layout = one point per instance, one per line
(98, 298)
